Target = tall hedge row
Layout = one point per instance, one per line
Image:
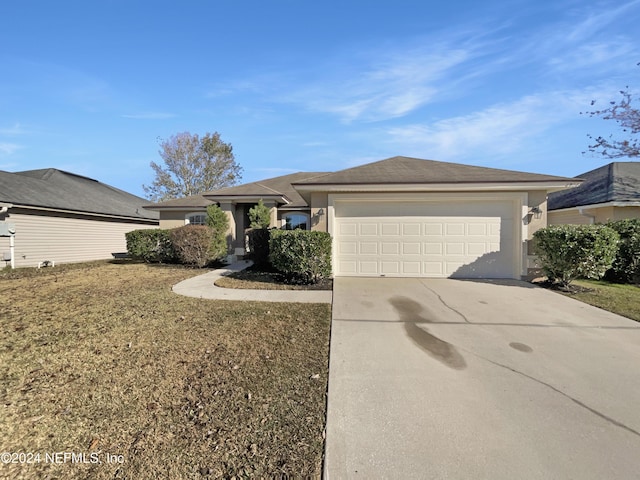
(626, 267)
(303, 255)
(567, 252)
(151, 245)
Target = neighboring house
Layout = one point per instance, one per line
(63, 217)
(400, 216)
(611, 192)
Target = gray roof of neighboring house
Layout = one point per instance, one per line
(406, 170)
(60, 190)
(614, 182)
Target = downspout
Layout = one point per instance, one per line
(592, 218)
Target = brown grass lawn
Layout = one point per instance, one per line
(103, 359)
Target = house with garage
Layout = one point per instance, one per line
(61, 217)
(610, 192)
(398, 217)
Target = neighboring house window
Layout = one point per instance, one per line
(293, 221)
(196, 219)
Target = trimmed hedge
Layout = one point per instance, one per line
(192, 244)
(626, 267)
(151, 245)
(258, 240)
(302, 255)
(567, 252)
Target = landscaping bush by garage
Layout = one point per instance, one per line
(304, 256)
(192, 244)
(567, 252)
(626, 267)
(151, 245)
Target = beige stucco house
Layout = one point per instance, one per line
(62, 217)
(611, 192)
(398, 217)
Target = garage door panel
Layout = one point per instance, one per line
(476, 241)
(390, 248)
(368, 248)
(347, 248)
(369, 229)
(434, 229)
(456, 248)
(411, 248)
(430, 248)
(411, 229)
(390, 229)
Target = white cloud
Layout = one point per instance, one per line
(499, 129)
(14, 130)
(388, 84)
(9, 148)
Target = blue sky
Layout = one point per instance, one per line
(90, 86)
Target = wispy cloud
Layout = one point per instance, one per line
(390, 85)
(499, 129)
(597, 20)
(149, 116)
(9, 148)
(15, 130)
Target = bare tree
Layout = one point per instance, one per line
(628, 119)
(192, 165)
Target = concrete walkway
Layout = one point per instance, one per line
(495, 380)
(203, 286)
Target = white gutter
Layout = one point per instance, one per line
(598, 205)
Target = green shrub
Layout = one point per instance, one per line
(567, 252)
(626, 267)
(304, 256)
(192, 244)
(151, 245)
(218, 221)
(260, 215)
(258, 239)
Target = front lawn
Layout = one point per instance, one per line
(621, 299)
(105, 362)
(267, 279)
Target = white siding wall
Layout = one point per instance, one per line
(65, 239)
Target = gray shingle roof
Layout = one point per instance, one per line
(406, 170)
(57, 189)
(614, 182)
(196, 202)
(278, 186)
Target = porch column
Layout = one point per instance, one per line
(273, 210)
(229, 209)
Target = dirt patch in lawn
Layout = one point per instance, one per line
(264, 279)
(105, 362)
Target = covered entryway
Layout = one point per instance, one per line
(429, 235)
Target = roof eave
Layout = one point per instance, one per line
(598, 205)
(248, 198)
(91, 214)
(454, 186)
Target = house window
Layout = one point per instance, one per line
(295, 221)
(196, 219)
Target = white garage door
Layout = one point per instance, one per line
(456, 239)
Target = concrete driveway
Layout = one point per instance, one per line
(454, 379)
